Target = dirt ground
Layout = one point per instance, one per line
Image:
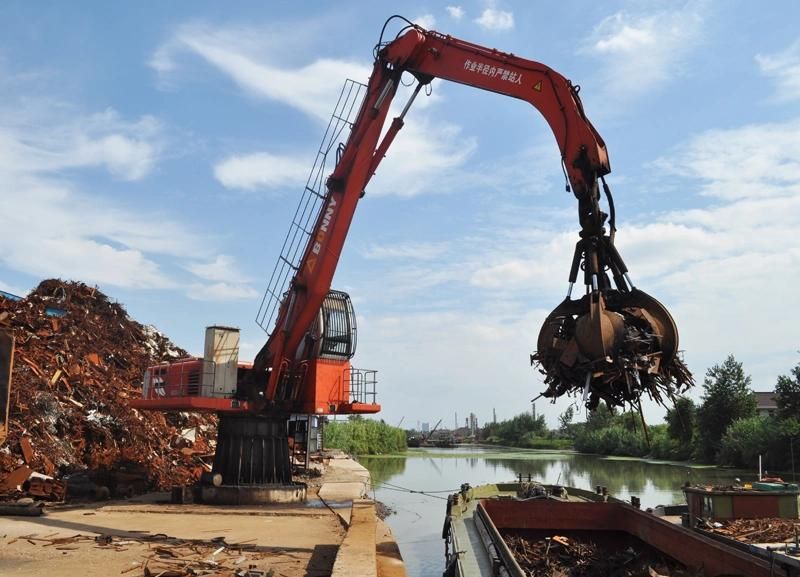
(147, 535)
(292, 541)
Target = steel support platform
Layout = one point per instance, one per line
(251, 463)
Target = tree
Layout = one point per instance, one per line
(787, 394)
(516, 432)
(599, 418)
(681, 421)
(727, 398)
(565, 419)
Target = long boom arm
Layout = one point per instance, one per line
(428, 55)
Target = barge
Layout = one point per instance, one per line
(488, 529)
(759, 518)
(752, 501)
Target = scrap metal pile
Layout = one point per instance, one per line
(560, 556)
(763, 530)
(79, 359)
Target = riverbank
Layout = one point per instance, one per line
(335, 532)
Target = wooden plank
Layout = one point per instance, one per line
(27, 450)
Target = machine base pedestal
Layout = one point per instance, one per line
(251, 464)
(252, 451)
(252, 494)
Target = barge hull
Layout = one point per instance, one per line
(474, 543)
(691, 549)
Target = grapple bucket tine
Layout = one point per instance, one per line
(613, 345)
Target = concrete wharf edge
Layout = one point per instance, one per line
(369, 548)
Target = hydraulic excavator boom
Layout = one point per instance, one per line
(580, 345)
(614, 342)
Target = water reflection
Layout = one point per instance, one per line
(417, 523)
(384, 468)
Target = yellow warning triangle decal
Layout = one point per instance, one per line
(538, 86)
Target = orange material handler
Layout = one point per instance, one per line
(304, 365)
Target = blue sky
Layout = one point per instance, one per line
(158, 150)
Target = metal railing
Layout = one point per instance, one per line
(363, 384)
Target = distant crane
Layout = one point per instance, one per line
(432, 431)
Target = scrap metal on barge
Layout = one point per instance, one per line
(481, 521)
(761, 518)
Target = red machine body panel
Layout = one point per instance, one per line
(331, 387)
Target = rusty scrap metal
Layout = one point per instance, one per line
(583, 557)
(167, 555)
(14, 480)
(73, 378)
(26, 449)
(762, 530)
(48, 489)
(616, 349)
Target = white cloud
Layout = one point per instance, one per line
(728, 269)
(162, 60)
(222, 268)
(312, 88)
(448, 348)
(51, 229)
(642, 52)
(262, 170)
(226, 281)
(784, 68)
(493, 19)
(407, 251)
(509, 271)
(749, 162)
(221, 291)
(455, 12)
(424, 157)
(52, 226)
(427, 21)
(128, 150)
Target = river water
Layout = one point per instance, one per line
(418, 518)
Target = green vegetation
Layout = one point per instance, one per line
(788, 394)
(526, 432)
(681, 423)
(565, 420)
(523, 431)
(549, 444)
(724, 429)
(360, 436)
(727, 398)
(771, 437)
(606, 433)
